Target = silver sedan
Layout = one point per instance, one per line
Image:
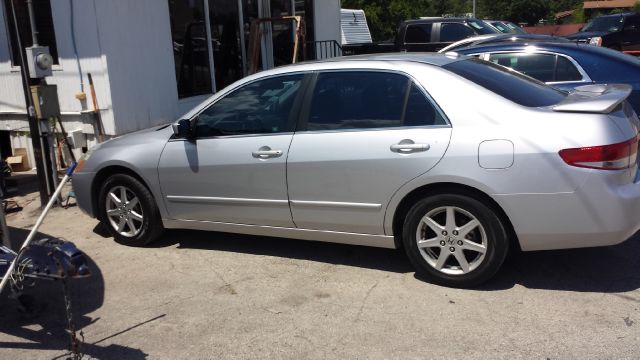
(454, 159)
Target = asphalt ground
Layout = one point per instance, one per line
(199, 295)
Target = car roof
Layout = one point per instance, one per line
(496, 39)
(420, 57)
(565, 46)
(440, 19)
(519, 38)
(369, 61)
(625, 14)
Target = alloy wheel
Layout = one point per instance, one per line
(451, 240)
(124, 211)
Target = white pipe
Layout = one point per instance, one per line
(33, 232)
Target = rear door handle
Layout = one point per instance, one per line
(265, 152)
(408, 146)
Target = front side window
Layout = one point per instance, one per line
(261, 107)
(543, 67)
(452, 32)
(367, 100)
(604, 24)
(418, 34)
(44, 25)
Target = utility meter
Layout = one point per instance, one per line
(40, 61)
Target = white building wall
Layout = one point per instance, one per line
(65, 75)
(136, 38)
(327, 20)
(126, 45)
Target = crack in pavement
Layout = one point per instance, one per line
(364, 301)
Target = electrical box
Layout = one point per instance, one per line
(45, 101)
(39, 61)
(77, 139)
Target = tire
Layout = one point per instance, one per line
(483, 246)
(140, 220)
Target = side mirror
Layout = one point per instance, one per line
(182, 129)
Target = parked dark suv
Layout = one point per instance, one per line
(434, 34)
(618, 31)
(428, 34)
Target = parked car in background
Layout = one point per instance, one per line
(362, 151)
(565, 65)
(501, 39)
(506, 27)
(617, 31)
(425, 35)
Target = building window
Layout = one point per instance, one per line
(190, 47)
(44, 25)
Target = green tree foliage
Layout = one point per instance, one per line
(636, 6)
(384, 16)
(578, 15)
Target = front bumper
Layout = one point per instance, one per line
(82, 188)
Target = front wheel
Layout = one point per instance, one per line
(454, 240)
(128, 210)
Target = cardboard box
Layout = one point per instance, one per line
(19, 161)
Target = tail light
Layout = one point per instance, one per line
(606, 157)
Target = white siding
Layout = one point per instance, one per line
(136, 38)
(125, 45)
(65, 75)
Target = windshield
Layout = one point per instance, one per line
(606, 24)
(514, 28)
(507, 83)
(501, 26)
(481, 27)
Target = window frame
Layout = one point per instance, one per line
(585, 77)
(308, 98)
(295, 110)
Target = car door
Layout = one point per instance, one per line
(364, 135)
(631, 34)
(234, 171)
(555, 69)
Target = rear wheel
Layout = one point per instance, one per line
(128, 210)
(454, 240)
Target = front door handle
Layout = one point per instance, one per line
(265, 152)
(407, 146)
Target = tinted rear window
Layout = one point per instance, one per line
(509, 84)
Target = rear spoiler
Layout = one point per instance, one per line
(600, 99)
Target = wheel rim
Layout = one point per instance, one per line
(124, 211)
(451, 240)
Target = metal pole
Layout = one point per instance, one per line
(34, 126)
(3, 223)
(474, 8)
(32, 23)
(33, 232)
